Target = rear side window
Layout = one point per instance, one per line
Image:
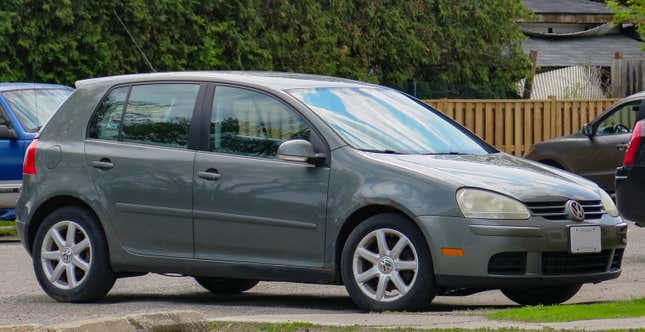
(155, 114)
(160, 114)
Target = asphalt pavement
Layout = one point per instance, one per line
(23, 302)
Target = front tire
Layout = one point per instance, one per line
(226, 286)
(542, 296)
(71, 257)
(386, 265)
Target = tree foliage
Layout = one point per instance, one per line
(632, 11)
(447, 48)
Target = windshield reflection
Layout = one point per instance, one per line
(387, 121)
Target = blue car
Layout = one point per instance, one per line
(24, 109)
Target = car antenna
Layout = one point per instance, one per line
(143, 54)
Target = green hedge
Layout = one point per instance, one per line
(466, 48)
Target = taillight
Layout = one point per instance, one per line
(634, 144)
(29, 164)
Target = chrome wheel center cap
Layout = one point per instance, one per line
(386, 265)
(67, 255)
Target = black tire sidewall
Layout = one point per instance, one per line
(100, 277)
(423, 290)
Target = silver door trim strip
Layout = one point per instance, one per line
(228, 217)
(154, 210)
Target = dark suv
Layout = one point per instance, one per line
(630, 178)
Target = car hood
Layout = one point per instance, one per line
(516, 177)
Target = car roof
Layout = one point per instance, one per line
(274, 80)
(638, 95)
(11, 86)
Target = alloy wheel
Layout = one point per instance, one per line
(385, 265)
(66, 255)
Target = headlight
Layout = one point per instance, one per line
(608, 203)
(477, 203)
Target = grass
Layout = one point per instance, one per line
(573, 312)
(307, 327)
(4, 231)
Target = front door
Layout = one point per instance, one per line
(11, 154)
(139, 156)
(249, 205)
(607, 148)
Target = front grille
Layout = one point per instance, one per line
(508, 263)
(555, 210)
(617, 261)
(566, 263)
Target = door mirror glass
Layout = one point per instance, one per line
(299, 150)
(7, 133)
(587, 130)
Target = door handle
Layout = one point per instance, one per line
(210, 174)
(103, 164)
(622, 147)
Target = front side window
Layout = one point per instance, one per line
(33, 108)
(621, 121)
(385, 120)
(106, 123)
(3, 122)
(252, 124)
(160, 114)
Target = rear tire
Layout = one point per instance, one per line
(71, 257)
(542, 296)
(396, 276)
(226, 286)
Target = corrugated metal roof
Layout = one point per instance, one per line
(584, 7)
(597, 51)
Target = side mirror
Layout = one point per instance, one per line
(7, 133)
(587, 130)
(299, 150)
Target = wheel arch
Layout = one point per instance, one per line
(356, 218)
(50, 205)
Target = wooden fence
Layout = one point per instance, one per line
(514, 125)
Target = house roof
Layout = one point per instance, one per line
(596, 51)
(582, 7)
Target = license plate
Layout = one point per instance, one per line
(585, 240)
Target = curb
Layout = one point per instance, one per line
(183, 321)
(9, 239)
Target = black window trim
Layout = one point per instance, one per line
(322, 146)
(193, 137)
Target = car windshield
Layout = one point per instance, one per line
(34, 107)
(384, 120)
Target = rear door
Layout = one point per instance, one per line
(140, 154)
(249, 205)
(607, 147)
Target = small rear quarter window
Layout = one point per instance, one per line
(107, 120)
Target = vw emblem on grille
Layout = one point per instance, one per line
(574, 210)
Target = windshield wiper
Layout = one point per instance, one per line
(381, 151)
(450, 153)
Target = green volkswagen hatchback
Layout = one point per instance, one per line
(237, 177)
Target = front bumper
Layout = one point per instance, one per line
(506, 254)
